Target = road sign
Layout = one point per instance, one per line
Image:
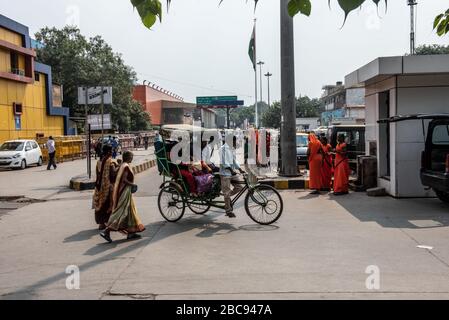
(228, 103)
(94, 95)
(207, 101)
(95, 122)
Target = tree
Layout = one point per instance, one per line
(77, 61)
(272, 117)
(308, 108)
(432, 49)
(305, 108)
(151, 10)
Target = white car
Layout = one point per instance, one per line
(20, 154)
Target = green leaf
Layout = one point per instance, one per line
(302, 6)
(437, 20)
(349, 5)
(149, 20)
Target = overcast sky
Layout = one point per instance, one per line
(202, 49)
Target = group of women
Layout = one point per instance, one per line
(322, 165)
(112, 201)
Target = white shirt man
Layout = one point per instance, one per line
(228, 175)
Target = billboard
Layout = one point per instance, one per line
(95, 122)
(94, 95)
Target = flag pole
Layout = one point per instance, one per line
(255, 74)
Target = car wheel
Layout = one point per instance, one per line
(23, 165)
(443, 196)
(39, 162)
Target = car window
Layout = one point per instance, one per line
(28, 145)
(440, 135)
(301, 141)
(12, 146)
(346, 134)
(34, 144)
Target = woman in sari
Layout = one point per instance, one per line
(314, 154)
(124, 216)
(102, 200)
(327, 167)
(342, 171)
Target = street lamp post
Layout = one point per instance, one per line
(268, 75)
(288, 113)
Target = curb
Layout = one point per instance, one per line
(298, 183)
(81, 183)
(286, 184)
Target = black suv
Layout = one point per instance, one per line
(435, 157)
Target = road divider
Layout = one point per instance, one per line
(82, 183)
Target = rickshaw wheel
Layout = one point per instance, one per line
(264, 204)
(171, 204)
(198, 208)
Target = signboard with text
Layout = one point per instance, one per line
(94, 95)
(208, 101)
(95, 122)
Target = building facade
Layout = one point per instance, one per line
(168, 108)
(401, 86)
(343, 104)
(27, 106)
(307, 124)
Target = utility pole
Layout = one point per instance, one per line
(412, 4)
(260, 64)
(102, 113)
(288, 113)
(268, 75)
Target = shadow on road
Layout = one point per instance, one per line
(389, 212)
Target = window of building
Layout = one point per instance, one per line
(14, 62)
(17, 108)
(37, 77)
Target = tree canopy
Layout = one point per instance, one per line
(432, 49)
(77, 61)
(305, 108)
(151, 10)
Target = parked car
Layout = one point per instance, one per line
(302, 144)
(355, 140)
(434, 171)
(20, 154)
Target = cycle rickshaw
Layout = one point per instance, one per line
(263, 203)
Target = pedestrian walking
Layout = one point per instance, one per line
(145, 139)
(327, 165)
(114, 144)
(51, 147)
(124, 217)
(314, 154)
(342, 170)
(106, 171)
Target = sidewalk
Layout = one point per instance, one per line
(38, 183)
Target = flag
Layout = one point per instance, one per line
(252, 48)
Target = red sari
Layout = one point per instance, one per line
(315, 162)
(342, 171)
(327, 168)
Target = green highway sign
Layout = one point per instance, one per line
(208, 101)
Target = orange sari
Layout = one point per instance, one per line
(315, 162)
(342, 171)
(327, 168)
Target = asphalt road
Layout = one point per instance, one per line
(322, 247)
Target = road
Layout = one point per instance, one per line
(321, 248)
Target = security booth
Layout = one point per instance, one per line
(398, 86)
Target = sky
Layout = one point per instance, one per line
(201, 49)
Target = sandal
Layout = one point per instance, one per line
(106, 237)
